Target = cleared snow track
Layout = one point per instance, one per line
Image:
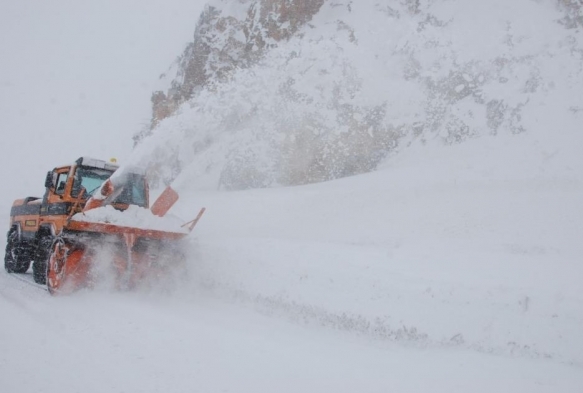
(95, 342)
(28, 279)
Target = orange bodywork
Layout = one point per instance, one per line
(77, 242)
(70, 265)
(68, 269)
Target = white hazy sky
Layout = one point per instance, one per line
(76, 78)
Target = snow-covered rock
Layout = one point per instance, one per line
(336, 96)
(229, 35)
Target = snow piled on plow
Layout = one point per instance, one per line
(135, 217)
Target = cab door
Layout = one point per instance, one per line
(56, 202)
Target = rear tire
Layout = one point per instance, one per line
(17, 257)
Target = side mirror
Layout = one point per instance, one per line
(49, 179)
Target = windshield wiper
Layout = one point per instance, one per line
(92, 191)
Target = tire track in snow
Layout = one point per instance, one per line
(13, 283)
(26, 278)
(244, 269)
(376, 328)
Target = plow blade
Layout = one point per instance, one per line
(130, 255)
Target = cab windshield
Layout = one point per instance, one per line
(90, 179)
(132, 191)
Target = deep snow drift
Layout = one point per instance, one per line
(442, 247)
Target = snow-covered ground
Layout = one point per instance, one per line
(444, 272)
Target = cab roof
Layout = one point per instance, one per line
(95, 163)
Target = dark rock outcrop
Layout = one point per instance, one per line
(223, 43)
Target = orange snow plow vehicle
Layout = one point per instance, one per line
(89, 207)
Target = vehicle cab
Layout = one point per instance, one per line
(69, 187)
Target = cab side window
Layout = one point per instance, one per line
(61, 183)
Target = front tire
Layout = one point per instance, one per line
(39, 272)
(16, 258)
(43, 252)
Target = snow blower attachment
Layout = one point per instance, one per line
(90, 210)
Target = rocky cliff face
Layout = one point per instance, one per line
(573, 10)
(229, 35)
(290, 92)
